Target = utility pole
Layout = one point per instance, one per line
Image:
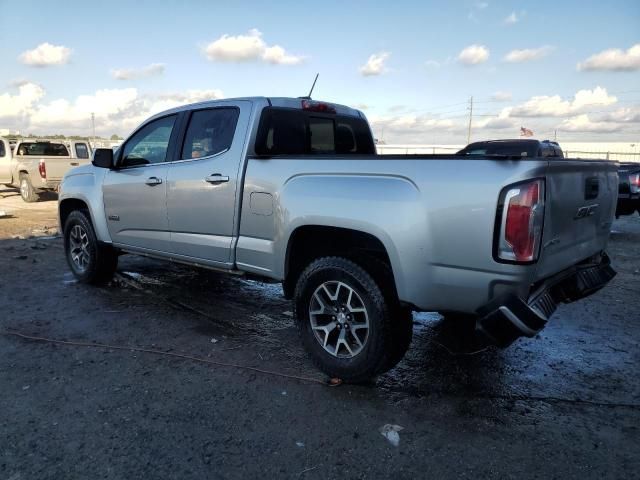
(555, 135)
(93, 124)
(470, 117)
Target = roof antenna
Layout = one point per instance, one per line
(312, 87)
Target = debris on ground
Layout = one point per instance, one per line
(390, 432)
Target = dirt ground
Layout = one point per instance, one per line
(563, 405)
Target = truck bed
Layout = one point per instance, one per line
(451, 252)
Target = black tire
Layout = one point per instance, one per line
(401, 336)
(27, 192)
(99, 262)
(386, 341)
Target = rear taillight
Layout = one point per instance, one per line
(521, 220)
(634, 183)
(42, 168)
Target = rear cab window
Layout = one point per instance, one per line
(2, 149)
(290, 131)
(43, 149)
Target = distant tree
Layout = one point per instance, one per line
(115, 137)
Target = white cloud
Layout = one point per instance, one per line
(18, 105)
(45, 55)
(623, 115)
(501, 96)
(582, 123)
(555, 106)
(277, 55)
(473, 55)
(375, 64)
(476, 7)
(115, 110)
(150, 70)
(614, 59)
(527, 54)
(514, 18)
(249, 48)
(432, 64)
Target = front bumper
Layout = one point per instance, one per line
(507, 319)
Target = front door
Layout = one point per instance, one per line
(203, 182)
(135, 193)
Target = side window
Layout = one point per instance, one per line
(210, 131)
(149, 145)
(2, 150)
(81, 150)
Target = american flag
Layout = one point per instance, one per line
(525, 132)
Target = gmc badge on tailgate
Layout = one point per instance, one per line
(586, 211)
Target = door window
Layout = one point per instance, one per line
(149, 144)
(81, 150)
(210, 132)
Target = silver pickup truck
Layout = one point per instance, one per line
(292, 191)
(38, 165)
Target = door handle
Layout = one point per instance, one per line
(151, 181)
(74, 164)
(216, 178)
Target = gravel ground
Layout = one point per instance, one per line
(563, 405)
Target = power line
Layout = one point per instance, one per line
(470, 119)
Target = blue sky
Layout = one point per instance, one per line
(167, 53)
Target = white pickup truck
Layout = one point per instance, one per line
(38, 165)
(292, 190)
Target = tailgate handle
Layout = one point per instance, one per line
(591, 188)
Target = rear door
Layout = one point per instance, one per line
(203, 183)
(135, 194)
(581, 198)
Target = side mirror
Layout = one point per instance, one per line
(103, 158)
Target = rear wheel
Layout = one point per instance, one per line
(89, 261)
(345, 322)
(27, 192)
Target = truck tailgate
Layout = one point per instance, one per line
(581, 198)
(58, 166)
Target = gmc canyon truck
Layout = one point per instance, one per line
(38, 165)
(292, 191)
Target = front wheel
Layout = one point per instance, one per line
(345, 322)
(89, 261)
